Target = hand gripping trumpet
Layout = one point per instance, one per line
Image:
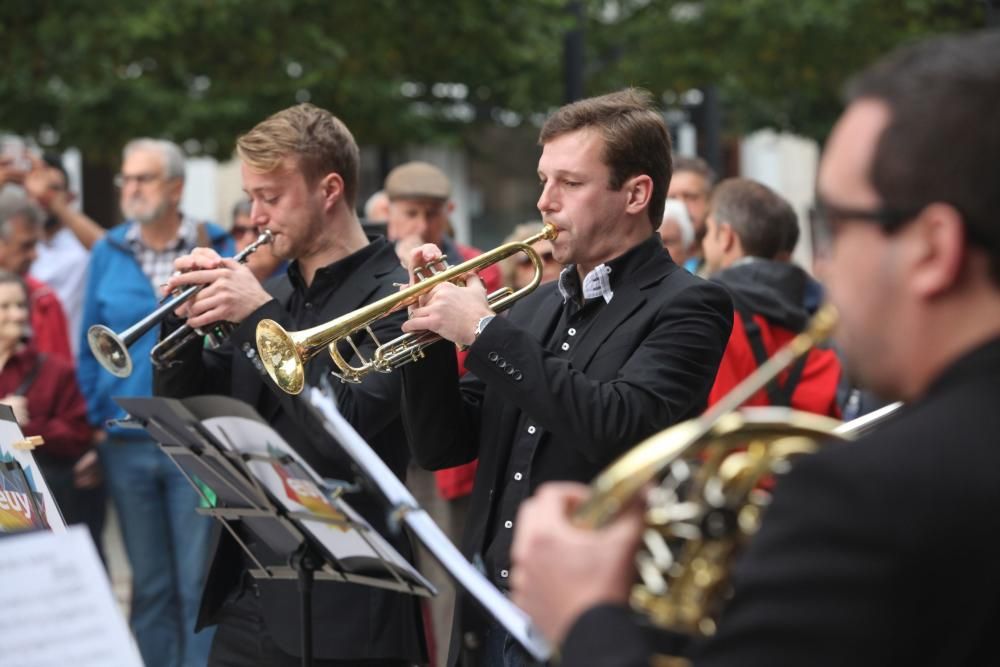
(284, 353)
(709, 482)
(111, 349)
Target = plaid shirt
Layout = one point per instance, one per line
(158, 265)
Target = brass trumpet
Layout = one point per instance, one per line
(111, 349)
(284, 353)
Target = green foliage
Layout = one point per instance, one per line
(778, 63)
(94, 73)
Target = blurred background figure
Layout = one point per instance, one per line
(746, 249)
(692, 183)
(166, 540)
(20, 229)
(42, 391)
(377, 207)
(419, 205)
(262, 261)
(518, 270)
(67, 235)
(677, 231)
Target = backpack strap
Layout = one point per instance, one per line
(777, 394)
(30, 376)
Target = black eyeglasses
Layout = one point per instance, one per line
(825, 219)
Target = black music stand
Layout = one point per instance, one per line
(246, 474)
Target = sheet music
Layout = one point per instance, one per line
(299, 489)
(57, 604)
(511, 617)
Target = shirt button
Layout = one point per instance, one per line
(518, 376)
(565, 346)
(517, 477)
(502, 363)
(572, 331)
(531, 430)
(508, 524)
(492, 356)
(503, 574)
(511, 370)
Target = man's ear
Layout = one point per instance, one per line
(332, 188)
(727, 237)
(936, 248)
(640, 192)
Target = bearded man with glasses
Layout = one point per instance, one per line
(166, 541)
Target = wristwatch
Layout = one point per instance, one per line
(483, 321)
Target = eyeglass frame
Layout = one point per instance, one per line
(121, 180)
(823, 214)
(890, 219)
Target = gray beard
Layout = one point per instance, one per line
(150, 217)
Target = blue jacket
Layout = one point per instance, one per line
(118, 295)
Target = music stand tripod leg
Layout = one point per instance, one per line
(305, 563)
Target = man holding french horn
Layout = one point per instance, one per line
(625, 344)
(883, 551)
(300, 170)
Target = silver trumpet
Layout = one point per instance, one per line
(111, 349)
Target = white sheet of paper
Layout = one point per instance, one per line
(57, 604)
(506, 613)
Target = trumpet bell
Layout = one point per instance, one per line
(280, 355)
(109, 350)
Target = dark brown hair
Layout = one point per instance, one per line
(636, 140)
(695, 165)
(942, 143)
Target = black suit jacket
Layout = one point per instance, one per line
(879, 552)
(647, 361)
(350, 621)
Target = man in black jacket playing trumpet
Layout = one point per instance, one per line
(300, 170)
(623, 345)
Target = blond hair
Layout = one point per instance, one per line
(320, 142)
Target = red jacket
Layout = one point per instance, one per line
(457, 482)
(50, 330)
(773, 293)
(816, 390)
(56, 409)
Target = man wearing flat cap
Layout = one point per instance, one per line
(419, 205)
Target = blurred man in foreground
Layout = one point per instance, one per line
(880, 552)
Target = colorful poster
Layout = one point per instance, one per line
(19, 506)
(25, 499)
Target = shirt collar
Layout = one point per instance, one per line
(335, 274)
(600, 281)
(597, 283)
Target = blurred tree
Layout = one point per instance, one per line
(94, 73)
(777, 63)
